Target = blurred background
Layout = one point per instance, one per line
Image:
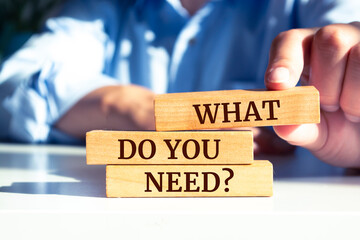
(19, 19)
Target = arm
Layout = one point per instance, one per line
(59, 70)
(111, 107)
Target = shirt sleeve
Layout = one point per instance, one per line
(55, 69)
(318, 13)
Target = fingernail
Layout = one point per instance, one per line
(352, 118)
(279, 75)
(330, 108)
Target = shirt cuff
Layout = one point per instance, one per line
(45, 97)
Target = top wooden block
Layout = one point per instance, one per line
(236, 108)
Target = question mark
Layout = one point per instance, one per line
(228, 179)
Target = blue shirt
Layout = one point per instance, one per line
(153, 43)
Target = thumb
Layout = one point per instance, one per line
(289, 53)
(311, 136)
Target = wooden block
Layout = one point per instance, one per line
(210, 147)
(236, 108)
(190, 181)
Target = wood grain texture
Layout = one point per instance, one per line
(189, 181)
(185, 111)
(198, 147)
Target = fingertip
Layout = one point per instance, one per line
(352, 118)
(278, 75)
(305, 135)
(278, 78)
(285, 131)
(330, 108)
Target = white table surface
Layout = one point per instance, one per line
(48, 192)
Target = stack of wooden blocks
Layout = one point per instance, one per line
(177, 162)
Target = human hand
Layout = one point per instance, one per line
(128, 107)
(267, 142)
(329, 59)
(132, 104)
